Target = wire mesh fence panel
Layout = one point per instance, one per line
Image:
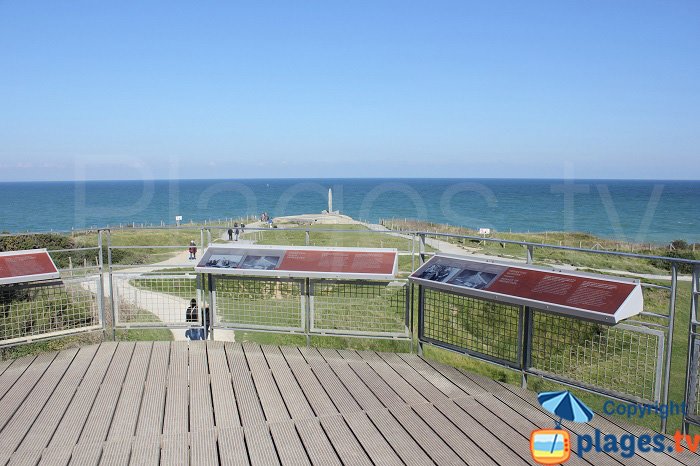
(373, 309)
(153, 300)
(623, 360)
(476, 326)
(41, 310)
(266, 304)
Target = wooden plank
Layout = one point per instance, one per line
(73, 420)
(467, 385)
(381, 390)
(22, 420)
(256, 359)
(232, 449)
(316, 395)
(100, 418)
(249, 407)
(270, 398)
(261, 450)
(640, 458)
(402, 443)
(441, 382)
(224, 402)
(179, 359)
(316, 443)
(357, 387)
(480, 435)
(176, 416)
(160, 362)
(13, 398)
(330, 355)
(86, 454)
(433, 445)
(152, 411)
(199, 366)
(344, 442)
(127, 411)
(392, 378)
(216, 358)
(175, 450)
(116, 452)
(47, 421)
(525, 419)
(237, 362)
(4, 365)
(413, 377)
(336, 390)
(499, 428)
(293, 396)
(372, 440)
(311, 355)
(201, 407)
(56, 456)
(349, 355)
(203, 447)
(467, 449)
(26, 458)
(289, 447)
(145, 451)
(13, 372)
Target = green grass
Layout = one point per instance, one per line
(554, 256)
(155, 334)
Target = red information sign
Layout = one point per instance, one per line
(567, 290)
(338, 261)
(600, 298)
(26, 266)
(300, 262)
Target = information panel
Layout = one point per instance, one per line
(26, 266)
(593, 297)
(300, 261)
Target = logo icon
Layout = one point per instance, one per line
(550, 446)
(553, 446)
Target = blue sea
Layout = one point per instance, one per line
(642, 211)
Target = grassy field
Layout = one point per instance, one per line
(553, 256)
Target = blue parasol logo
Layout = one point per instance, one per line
(566, 406)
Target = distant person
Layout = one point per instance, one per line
(242, 227)
(193, 250)
(269, 222)
(192, 314)
(230, 234)
(236, 231)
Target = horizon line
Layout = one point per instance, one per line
(344, 178)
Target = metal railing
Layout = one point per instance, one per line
(692, 386)
(111, 286)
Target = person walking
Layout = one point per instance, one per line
(236, 231)
(193, 250)
(230, 234)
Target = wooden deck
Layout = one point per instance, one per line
(215, 403)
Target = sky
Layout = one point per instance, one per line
(500, 89)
